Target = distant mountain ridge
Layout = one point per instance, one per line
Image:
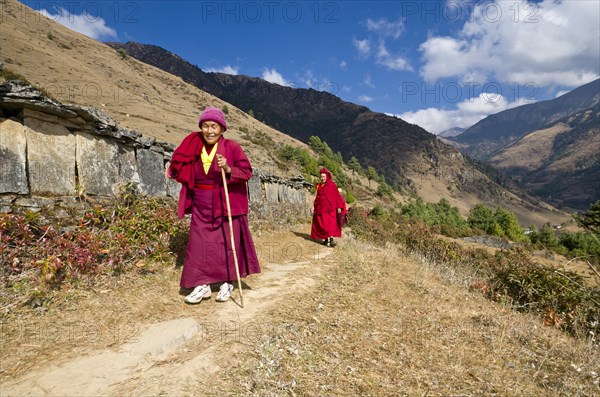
(384, 142)
(405, 154)
(74, 68)
(550, 148)
(560, 163)
(452, 132)
(496, 131)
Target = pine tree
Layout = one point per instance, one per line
(372, 174)
(355, 166)
(590, 220)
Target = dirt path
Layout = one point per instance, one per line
(164, 358)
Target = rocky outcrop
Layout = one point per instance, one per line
(49, 149)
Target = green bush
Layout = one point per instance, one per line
(509, 225)
(308, 164)
(481, 217)
(349, 197)
(559, 297)
(501, 222)
(544, 237)
(442, 214)
(582, 244)
(590, 220)
(384, 190)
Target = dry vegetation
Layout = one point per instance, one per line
(530, 152)
(374, 321)
(378, 324)
(74, 68)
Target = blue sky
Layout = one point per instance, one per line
(439, 64)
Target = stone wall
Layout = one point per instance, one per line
(49, 149)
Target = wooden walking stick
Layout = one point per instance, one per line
(235, 259)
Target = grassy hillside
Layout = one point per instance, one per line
(73, 68)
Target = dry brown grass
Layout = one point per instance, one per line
(378, 324)
(76, 69)
(532, 151)
(372, 321)
(106, 312)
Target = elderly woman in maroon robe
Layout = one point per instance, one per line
(328, 210)
(196, 164)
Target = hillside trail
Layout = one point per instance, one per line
(167, 357)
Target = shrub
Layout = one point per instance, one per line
(10, 75)
(308, 164)
(501, 222)
(104, 240)
(442, 214)
(590, 220)
(582, 244)
(349, 197)
(482, 218)
(544, 237)
(384, 190)
(507, 221)
(560, 297)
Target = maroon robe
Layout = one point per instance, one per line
(209, 256)
(327, 201)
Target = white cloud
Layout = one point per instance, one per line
(346, 88)
(383, 29)
(227, 69)
(368, 81)
(389, 61)
(466, 114)
(365, 98)
(386, 28)
(87, 24)
(549, 42)
(343, 65)
(363, 47)
(273, 76)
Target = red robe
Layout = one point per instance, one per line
(209, 255)
(327, 201)
(182, 170)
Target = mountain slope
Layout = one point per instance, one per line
(561, 162)
(451, 132)
(74, 68)
(404, 153)
(349, 128)
(494, 132)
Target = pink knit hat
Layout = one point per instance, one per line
(213, 114)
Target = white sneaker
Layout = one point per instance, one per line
(224, 292)
(199, 293)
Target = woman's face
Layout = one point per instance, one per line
(211, 132)
(323, 177)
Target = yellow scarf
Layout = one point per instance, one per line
(208, 158)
